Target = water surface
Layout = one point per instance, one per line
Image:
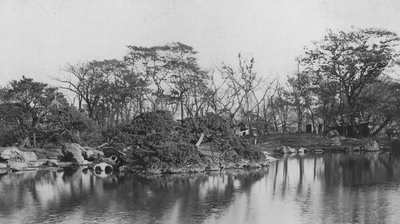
(325, 188)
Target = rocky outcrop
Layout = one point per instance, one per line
(16, 155)
(73, 153)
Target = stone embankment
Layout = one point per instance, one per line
(71, 154)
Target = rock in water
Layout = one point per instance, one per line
(73, 153)
(285, 150)
(371, 146)
(302, 150)
(288, 150)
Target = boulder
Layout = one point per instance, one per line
(333, 133)
(91, 154)
(278, 150)
(73, 153)
(88, 155)
(371, 146)
(30, 156)
(288, 149)
(302, 150)
(16, 155)
(17, 166)
(318, 151)
(3, 166)
(336, 141)
(268, 158)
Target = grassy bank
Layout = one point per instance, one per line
(306, 140)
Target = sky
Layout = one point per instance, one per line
(38, 38)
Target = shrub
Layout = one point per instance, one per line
(153, 122)
(178, 153)
(165, 155)
(216, 130)
(155, 140)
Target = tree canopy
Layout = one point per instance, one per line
(350, 62)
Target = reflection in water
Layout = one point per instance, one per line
(325, 188)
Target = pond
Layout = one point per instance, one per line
(311, 188)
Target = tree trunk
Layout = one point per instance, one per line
(182, 109)
(383, 125)
(200, 140)
(299, 121)
(34, 139)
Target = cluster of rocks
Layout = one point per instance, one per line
(340, 143)
(288, 150)
(14, 159)
(77, 154)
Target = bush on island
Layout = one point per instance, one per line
(155, 140)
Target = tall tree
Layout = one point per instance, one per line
(300, 92)
(186, 81)
(28, 103)
(352, 59)
(150, 65)
(241, 82)
(88, 82)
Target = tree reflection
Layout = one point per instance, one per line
(339, 188)
(324, 188)
(368, 168)
(150, 197)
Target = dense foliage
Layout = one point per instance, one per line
(216, 130)
(350, 63)
(33, 114)
(155, 139)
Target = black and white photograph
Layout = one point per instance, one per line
(199, 111)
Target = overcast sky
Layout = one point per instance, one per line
(38, 38)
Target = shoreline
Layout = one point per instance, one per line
(272, 146)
